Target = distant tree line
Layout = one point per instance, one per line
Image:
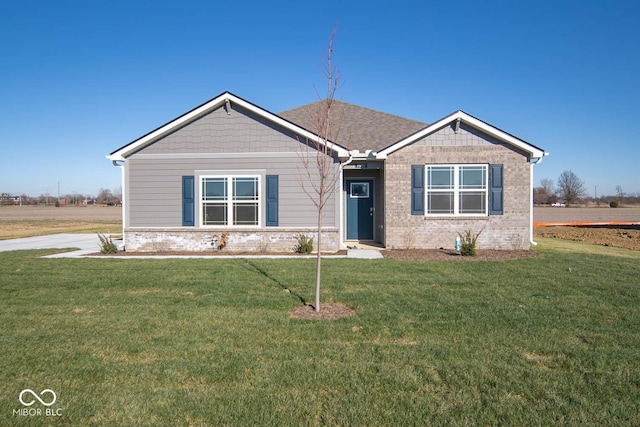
(104, 197)
(569, 189)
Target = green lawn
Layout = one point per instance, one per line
(552, 340)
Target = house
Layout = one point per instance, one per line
(230, 166)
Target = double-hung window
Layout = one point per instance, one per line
(230, 200)
(456, 190)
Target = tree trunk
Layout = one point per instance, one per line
(318, 260)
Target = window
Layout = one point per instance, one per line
(359, 190)
(230, 200)
(456, 190)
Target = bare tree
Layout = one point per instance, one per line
(549, 187)
(540, 196)
(104, 195)
(570, 187)
(319, 173)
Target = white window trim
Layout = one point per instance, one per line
(229, 202)
(456, 190)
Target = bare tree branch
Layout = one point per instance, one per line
(319, 170)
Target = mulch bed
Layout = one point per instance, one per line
(399, 254)
(328, 311)
(451, 255)
(212, 253)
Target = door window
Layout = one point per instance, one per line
(359, 190)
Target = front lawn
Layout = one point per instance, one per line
(551, 340)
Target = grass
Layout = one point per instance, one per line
(552, 340)
(14, 229)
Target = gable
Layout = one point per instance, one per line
(232, 129)
(474, 131)
(463, 135)
(227, 101)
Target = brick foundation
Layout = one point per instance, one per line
(199, 240)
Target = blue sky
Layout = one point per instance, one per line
(80, 79)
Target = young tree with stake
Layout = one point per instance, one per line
(319, 173)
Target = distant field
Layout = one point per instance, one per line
(65, 213)
(603, 214)
(25, 221)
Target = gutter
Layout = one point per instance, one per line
(124, 189)
(533, 162)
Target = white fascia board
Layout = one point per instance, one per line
(211, 105)
(534, 152)
(163, 130)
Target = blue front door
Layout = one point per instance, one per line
(360, 209)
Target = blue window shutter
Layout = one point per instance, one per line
(417, 189)
(188, 201)
(496, 196)
(272, 200)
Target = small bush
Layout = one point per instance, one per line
(613, 204)
(106, 245)
(219, 242)
(304, 245)
(468, 243)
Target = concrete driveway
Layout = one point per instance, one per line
(86, 244)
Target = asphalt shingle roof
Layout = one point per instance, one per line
(361, 128)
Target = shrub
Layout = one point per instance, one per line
(106, 245)
(613, 204)
(304, 245)
(468, 243)
(219, 242)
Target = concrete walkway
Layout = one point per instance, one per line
(86, 244)
(89, 244)
(364, 253)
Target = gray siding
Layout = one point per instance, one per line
(239, 131)
(155, 188)
(237, 141)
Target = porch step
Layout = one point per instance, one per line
(364, 254)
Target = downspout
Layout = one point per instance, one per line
(533, 162)
(121, 166)
(342, 217)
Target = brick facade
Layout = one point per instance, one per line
(508, 231)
